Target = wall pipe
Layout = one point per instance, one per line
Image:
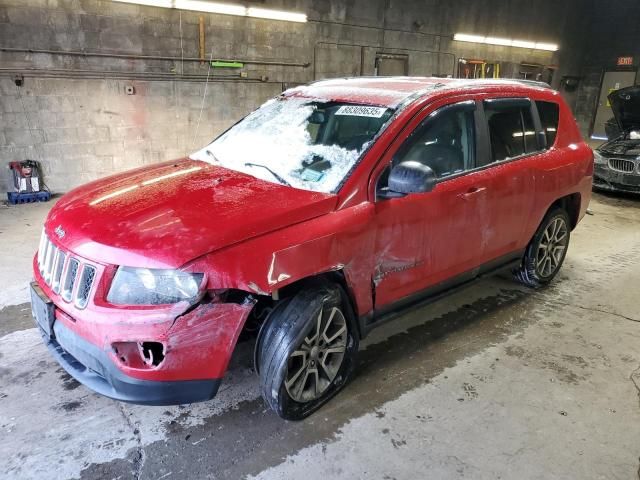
(121, 75)
(201, 46)
(130, 56)
(371, 27)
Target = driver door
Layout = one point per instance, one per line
(424, 240)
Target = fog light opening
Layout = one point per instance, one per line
(153, 353)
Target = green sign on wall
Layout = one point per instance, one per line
(226, 64)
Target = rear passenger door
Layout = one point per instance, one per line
(512, 141)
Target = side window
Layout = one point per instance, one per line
(549, 113)
(530, 141)
(444, 141)
(511, 129)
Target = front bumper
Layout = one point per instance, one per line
(606, 179)
(91, 367)
(102, 347)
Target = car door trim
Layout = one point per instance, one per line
(419, 299)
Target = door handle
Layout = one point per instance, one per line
(471, 192)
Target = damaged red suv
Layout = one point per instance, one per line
(313, 220)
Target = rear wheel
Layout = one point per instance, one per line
(546, 251)
(307, 351)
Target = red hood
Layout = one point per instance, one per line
(168, 214)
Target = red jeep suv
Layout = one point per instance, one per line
(311, 221)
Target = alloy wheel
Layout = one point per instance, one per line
(552, 246)
(313, 366)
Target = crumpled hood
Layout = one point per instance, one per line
(165, 215)
(625, 104)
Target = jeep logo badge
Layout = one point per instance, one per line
(59, 231)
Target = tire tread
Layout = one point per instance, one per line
(281, 335)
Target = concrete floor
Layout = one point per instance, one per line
(494, 382)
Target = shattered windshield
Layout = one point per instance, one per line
(305, 144)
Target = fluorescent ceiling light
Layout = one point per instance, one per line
(463, 37)
(222, 8)
(210, 7)
(276, 14)
(552, 47)
(498, 41)
(523, 44)
(151, 3)
(506, 42)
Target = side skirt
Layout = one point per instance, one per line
(436, 292)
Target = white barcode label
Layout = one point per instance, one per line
(361, 111)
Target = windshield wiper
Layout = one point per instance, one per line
(210, 153)
(276, 176)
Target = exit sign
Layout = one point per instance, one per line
(625, 60)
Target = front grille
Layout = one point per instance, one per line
(84, 287)
(622, 165)
(58, 265)
(67, 275)
(70, 279)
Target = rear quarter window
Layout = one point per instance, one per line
(549, 113)
(511, 130)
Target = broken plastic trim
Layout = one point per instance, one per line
(231, 295)
(153, 353)
(140, 354)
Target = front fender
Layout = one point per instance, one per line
(341, 240)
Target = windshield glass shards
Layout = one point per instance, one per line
(298, 142)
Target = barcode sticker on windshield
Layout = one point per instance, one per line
(361, 111)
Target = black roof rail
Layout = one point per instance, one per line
(533, 83)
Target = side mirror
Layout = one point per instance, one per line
(412, 177)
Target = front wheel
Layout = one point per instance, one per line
(546, 251)
(307, 351)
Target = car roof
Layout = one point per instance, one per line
(393, 91)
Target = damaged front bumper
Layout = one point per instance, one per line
(91, 367)
(166, 360)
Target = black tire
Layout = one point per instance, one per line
(262, 333)
(530, 272)
(287, 330)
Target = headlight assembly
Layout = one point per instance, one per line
(145, 286)
(598, 158)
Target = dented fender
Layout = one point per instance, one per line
(339, 241)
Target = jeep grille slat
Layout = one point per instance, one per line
(84, 286)
(48, 261)
(65, 274)
(57, 271)
(70, 279)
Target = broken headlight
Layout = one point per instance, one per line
(146, 286)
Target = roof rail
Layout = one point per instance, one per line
(533, 83)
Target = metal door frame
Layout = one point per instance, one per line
(632, 68)
(397, 56)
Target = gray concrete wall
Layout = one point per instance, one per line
(73, 114)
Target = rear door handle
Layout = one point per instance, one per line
(471, 192)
